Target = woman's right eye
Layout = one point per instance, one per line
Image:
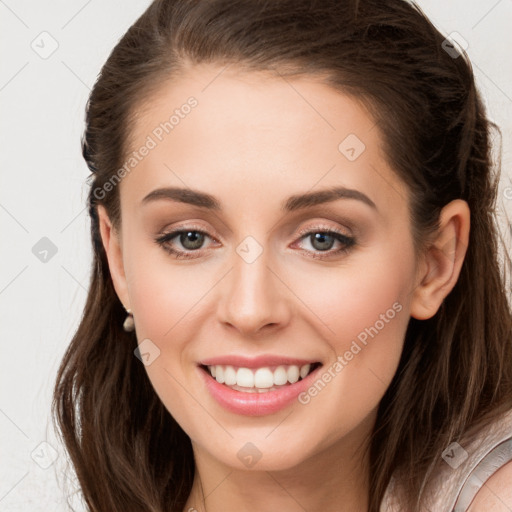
(190, 239)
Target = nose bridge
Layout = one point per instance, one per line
(253, 297)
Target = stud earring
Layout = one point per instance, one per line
(129, 324)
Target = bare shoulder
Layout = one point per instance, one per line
(495, 495)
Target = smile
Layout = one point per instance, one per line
(258, 386)
(262, 380)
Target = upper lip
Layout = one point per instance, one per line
(255, 362)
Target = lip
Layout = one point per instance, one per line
(256, 404)
(255, 362)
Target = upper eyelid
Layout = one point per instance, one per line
(348, 230)
(300, 232)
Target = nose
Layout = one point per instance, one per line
(254, 298)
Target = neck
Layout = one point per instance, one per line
(335, 479)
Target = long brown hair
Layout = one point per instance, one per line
(455, 371)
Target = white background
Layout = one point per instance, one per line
(43, 194)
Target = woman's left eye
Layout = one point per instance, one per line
(322, 241)
(192, 240)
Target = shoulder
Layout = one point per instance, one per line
(495, 495)
(480, 480)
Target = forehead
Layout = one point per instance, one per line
(229, 99)
(217, 127)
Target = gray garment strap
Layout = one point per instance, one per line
(494, 460)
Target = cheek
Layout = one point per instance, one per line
(166, 299)
(162, 292)
(367, 312)
(371, 289)
(170, 302)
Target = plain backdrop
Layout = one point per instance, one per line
(51, 55)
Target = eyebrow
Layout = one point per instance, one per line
(293, 203)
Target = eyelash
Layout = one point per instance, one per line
(347, 241)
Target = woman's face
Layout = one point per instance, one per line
(265, 286)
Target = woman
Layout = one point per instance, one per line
(296, 301)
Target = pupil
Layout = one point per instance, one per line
(321, 239)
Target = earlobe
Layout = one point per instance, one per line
(442, 261)
(112, 245)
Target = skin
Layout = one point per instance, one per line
(253, 140)
(496, 493)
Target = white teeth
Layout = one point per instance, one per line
(293, 374)
(280, 376)
(304, 370)
(229, 376)
(261, 379)
(219, 374)
(244, 377)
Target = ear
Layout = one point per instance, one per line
(442, 261)
(112, 244)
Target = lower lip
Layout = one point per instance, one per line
(256, 404)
